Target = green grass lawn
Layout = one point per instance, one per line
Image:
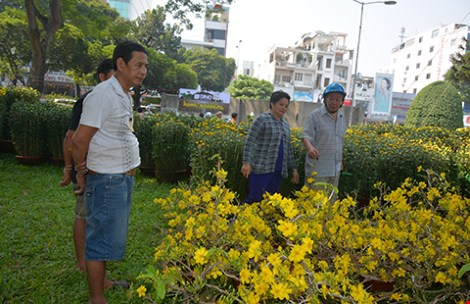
(37, 263)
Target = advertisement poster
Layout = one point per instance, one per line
(383, 94)
(303, 96)
(195, 101)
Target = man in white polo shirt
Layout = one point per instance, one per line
(106, 155)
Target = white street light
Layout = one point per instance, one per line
(238, 58)
(357, 49)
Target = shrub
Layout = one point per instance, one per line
(214, 140)
(309, 250)
(143, 131)
(170, 147)
(438, 104)
(10, 95)
(57, 121)
(28, 128)
(392, 153)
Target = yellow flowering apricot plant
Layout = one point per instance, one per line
(411, 241)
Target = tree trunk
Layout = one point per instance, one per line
(40, 44)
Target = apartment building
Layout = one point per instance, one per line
(305, 69)
(425, 57)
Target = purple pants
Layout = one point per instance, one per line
(261, 183)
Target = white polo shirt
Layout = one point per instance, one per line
(113, 148)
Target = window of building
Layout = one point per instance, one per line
(452, 42)
(420, 39)
(431, 49)
(277, 78)
(326, 82)
(308, 78)
(416, 78)
(419, 53)
(328, 63)
(286, 78)
(247, 72)
(404, 80)
(218, 34)
(435, 33)
(410, 42)
(408, 56)
(298, 77)
(428, 75)
(430, 62)
(407, 68)
(418, 65)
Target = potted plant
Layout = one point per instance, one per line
(143, 131)
(8, 96)
(170, 149)
(58, 119)
(27, 125)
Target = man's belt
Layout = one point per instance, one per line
(131, 172)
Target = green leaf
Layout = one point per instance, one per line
(463, 270)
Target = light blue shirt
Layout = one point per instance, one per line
(327, 136)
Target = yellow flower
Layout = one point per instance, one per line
(280, 291)
(287, 228)
(245, 276)
(440, 278)
(141, 291)
(252, 298)
(297, 254)
(200, 256)
(360, 295)
(254, 250)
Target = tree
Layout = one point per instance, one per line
(459, 73)
(166, 75)
(150, 29)
(41, 29)
(182, 9)
(214, 71)
(438, 104)
(246, 87)
(15, 50)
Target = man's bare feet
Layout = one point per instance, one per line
(112, 283)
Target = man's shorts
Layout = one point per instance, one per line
(80, 208)
(108, 199)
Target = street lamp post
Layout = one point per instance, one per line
(357, 50)
(238, 58)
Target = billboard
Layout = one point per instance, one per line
(197, 101)
(382, 103)
(303, 96)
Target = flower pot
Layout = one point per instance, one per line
(58, 161)
(171, 176)
(6, 146)
(147, 171)
(29, 160)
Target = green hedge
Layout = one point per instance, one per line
(8, 96)
(390, 154)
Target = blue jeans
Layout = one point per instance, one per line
(262, 183)
(108, 199)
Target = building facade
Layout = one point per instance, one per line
(425, 57)
(305, 69)
(216, 20)
(122, 6)
(130, 9)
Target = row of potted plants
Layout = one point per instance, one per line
(31, 126)
(372, 153)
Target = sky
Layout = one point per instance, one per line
(261, 24)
